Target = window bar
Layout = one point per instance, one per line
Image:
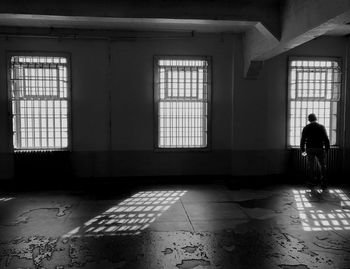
(160, 105)
(189, 120)
(26, 123)
(194, 122)
(183, 106)
(56, 109)
(53, 110)
(16, 86)
(188, 134)
(332, 140)
(54, 123)
(195, 125)
(35, 90)
(175, 119)
(47, 121)
(183, 120)
(188, 127)
(168, 121)
(189, 115)
(40, 125)
(205, 96)
(169, 89)
(176, 108)
(311, 93)
(165, 124)
(325, 83)
(60, 104)
(192, 86)
(160, 122)
(332, 79)
(171, 122)
(25, 109)
(186, 118)
(201, 123)
(33, 86)
(178, 95)
(33, 121)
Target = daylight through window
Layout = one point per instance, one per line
(314, 87)
(39, 97)
(182, 88)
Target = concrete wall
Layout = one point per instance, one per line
(112, 107)
(260, 110)
(276, 82)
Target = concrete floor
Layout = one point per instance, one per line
(208, 226)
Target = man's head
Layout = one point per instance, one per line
(312, 117)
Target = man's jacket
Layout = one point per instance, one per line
(314, 135)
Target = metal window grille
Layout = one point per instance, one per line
(314, 87)
(183, 94)
(39, 97)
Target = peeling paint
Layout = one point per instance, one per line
(266, 239)
(189, 249)
(167, 251)
(298, 266)
(188, 264)
(36, 248)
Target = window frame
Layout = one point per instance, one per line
(338, 59)
(156, 100)
(67, 55)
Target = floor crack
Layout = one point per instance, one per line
(189, 220)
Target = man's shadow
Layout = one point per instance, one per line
(323, 197)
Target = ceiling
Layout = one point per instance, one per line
(205, 16)
(132, 24)
(339, 30)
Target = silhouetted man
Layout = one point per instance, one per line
(314, 136)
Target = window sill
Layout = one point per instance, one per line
(183, 150)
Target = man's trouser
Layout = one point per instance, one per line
(316, 162)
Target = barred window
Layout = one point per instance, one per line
(314, 87)
(182, 89)
(38, 89)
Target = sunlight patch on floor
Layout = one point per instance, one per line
(315, 218)
(130, 216)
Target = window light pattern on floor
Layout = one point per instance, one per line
(315, 218)
(130, 216)
(314, 87)
(182, 87)
(5, 199)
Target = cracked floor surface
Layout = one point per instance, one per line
(208, 226)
